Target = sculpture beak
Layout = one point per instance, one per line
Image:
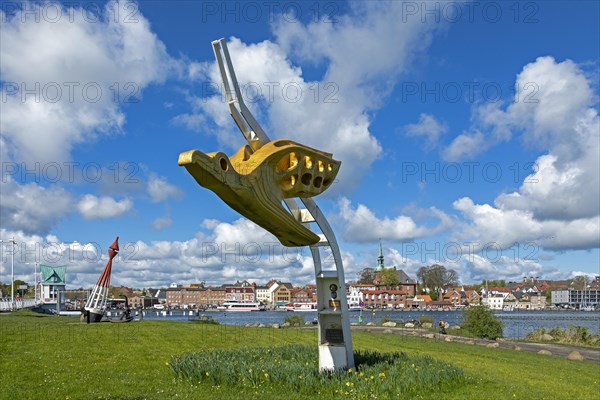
(208, 169)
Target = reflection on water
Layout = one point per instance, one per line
(517, 324)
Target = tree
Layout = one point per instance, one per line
(580, 282)
(389, 277)
(21, 292)
(482, 323)
(367, 275)
(437, 277)
(494, 283)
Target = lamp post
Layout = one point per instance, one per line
(35, 281)
(35, 278)
(12, 273)
(589, 296)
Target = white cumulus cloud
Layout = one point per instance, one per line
(429, 128)
(32, 208)
(360, 224)
(92, 207)
(61, 78)
(557, 205)
(160, 190)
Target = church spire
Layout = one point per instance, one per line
(380, 265)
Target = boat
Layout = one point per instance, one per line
(354, 307)
(242, 306)
(302, 307)
(69, 313)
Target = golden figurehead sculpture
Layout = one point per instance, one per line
(255, 180)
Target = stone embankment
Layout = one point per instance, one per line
(574, 353)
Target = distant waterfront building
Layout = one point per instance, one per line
(142, 301)
(53, 282)
(302, 295)
(262, 294)
(493, 301)
(575, 298)
(384, 298)
(240, 294)
(355, 296)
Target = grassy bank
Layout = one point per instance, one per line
(45, 357)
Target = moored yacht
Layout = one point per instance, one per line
(242, 306)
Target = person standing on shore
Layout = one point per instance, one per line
(442, 326)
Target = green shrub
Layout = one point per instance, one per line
(580, 333)
(481, 322)
(425, 319)
(294, 320)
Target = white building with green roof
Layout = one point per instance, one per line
(53, 282)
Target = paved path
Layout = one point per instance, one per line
(589, 354)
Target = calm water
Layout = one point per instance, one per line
(517, 324)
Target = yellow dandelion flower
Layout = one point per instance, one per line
(381, 375)
(206, 373)
(266, 375)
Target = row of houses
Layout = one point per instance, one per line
(528, 295)
(274, 292)
(505, 299)
(402, 297)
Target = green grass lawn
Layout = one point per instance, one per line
(46, 357)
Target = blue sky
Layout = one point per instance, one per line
(468, 135)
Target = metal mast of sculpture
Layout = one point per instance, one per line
(256, 180)
(94, 307)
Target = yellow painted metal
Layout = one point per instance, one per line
(255, 180)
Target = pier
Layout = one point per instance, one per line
(7, 305)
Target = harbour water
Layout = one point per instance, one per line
(517, 324)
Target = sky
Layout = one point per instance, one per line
(468, 134)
